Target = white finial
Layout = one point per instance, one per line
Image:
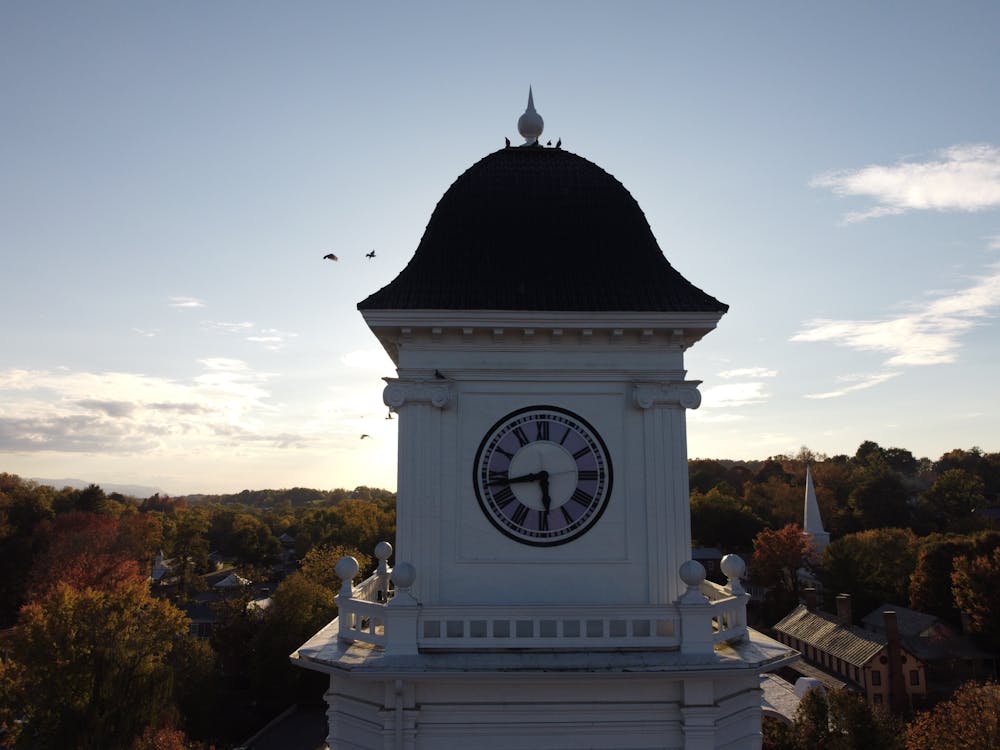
(530, 124)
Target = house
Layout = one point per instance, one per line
(874, 663)
(949, 657)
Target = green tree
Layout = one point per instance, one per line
(189, 548)
(721, 520)
(319, 565)
(952, 498)
(298, 609)
(976, 588)
(838, 720)
(91, 668)
(873, 566)
(879, 498)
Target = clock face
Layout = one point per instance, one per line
(542, 475)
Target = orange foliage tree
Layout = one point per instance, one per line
(969, 720)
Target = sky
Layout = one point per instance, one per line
(171, 175)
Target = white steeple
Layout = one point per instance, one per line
(812, 523)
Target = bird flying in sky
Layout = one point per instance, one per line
(329, 256)
(370, 255)
(366, 435)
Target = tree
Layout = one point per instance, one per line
(931, 583)
(879, 498)
(190, 548)
(90, 667)
(298, 609)
(721, 520)
(83, 550)
(776, 499)
(873, 566)
(975, 584)
(838, 720)
(952, 498)
(969, 720)
(320, 563)
(777, 558)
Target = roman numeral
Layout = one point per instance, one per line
(565, 435)
(542, 425)
(566, 515)
(543, 520)
(503, 497)
(497, 476)
(581, 498)
(587, 474)
(520, 514)
(501, 450)
(519, 434)
(581, 453)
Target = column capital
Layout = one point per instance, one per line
(399, 392)
(682, 393)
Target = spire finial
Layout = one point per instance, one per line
(530, 124)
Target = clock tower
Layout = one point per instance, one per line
(543, 595)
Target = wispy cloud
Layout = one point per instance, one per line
(923, 336)
(960, 178)
(858, 382)
(733, 394)
(749, 372)
(224, 327)
(270, 338)
(185, 302)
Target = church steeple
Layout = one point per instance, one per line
(812, 522)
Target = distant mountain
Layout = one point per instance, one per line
(134, 490)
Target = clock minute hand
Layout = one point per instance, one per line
(523, 478)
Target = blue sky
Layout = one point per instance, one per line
(173, 173)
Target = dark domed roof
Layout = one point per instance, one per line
(535, 228)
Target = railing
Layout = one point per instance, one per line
(385, 615)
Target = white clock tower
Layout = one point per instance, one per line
(543, 595)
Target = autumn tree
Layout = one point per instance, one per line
(89, 668)
(83, 550)
(930, 583)
(969, 720)
(777, 557)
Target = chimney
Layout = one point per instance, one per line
(898, 700)
(844, 613)
(811, 600)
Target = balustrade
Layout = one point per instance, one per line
(374, 610)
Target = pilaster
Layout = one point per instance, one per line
(667, 500)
